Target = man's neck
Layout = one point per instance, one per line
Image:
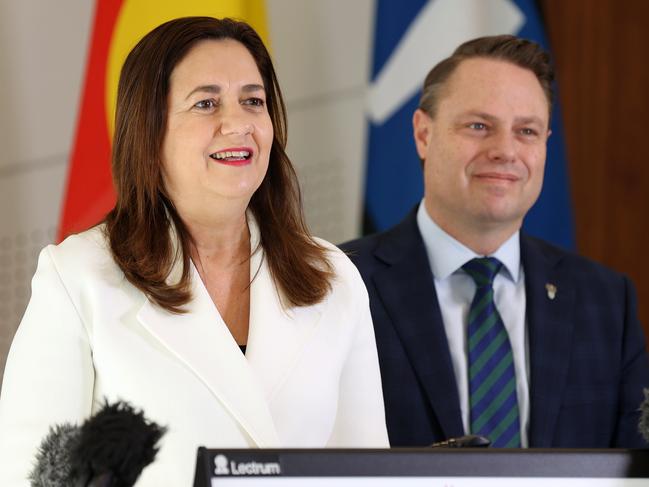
(484, 238)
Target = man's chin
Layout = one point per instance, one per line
(504, 217)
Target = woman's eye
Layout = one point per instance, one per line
(256, 102)
(205, 104)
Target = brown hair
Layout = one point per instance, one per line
(139, 226)
(520, 52)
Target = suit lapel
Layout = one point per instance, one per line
(550, 324)
(406, 289)
(201, 340)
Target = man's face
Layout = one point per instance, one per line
(484, 150)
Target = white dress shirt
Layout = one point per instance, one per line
(455, 290)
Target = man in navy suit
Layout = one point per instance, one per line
(572, 335)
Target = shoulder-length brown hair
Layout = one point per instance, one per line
(138, 227)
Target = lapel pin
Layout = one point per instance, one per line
(552, 290)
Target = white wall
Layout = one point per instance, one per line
(321, 51)
(322, 57)
(42, 56)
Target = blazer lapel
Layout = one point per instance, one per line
(201, 340)
(406, 289)
(277, 333)
(550, 308)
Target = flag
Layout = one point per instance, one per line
(409, 39)
(118, 25)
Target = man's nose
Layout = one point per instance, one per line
(502, 148)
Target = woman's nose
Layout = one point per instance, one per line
(234, 122)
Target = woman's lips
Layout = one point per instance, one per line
(233, 156)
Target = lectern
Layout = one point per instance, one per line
(405, 467)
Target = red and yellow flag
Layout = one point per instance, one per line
(118, 26)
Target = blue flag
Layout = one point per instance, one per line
(409, 39)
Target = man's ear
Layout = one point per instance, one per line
(421, 128)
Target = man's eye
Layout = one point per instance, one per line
(256, 102)
(205, 104)
(477, 126)
(528, 131)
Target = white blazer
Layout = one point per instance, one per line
(309, 378)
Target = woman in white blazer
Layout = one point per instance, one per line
(202, 299)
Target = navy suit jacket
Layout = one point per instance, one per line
(587, 354)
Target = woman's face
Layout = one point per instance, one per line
(218, 137)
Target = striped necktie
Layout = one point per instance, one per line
(492, 378)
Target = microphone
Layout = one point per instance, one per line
(468, 441)
(110, 449)
(54, 460)
(643, 425)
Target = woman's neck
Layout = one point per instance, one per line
(219, 235)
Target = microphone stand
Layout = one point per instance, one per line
(468, 441)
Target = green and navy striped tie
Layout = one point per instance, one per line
(492, 378)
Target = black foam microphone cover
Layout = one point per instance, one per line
(115, 445)
(53, 462)
(110, 449)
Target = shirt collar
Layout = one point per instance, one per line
(446, 255)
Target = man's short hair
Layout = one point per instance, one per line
(520, 52)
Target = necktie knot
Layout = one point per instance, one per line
(483, 270)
